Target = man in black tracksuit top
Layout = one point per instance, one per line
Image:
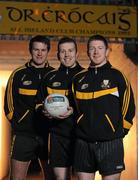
(106, 109)
(62, 130)
(19, 108)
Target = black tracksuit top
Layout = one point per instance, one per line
(105, 103)
(59, 81)
(20, 94)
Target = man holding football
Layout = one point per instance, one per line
(62, 127)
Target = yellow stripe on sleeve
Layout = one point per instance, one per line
(27, 91)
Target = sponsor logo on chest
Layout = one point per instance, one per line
(56, 84)
(27, 83)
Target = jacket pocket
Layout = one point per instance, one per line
(78, 120)
(25, 114)
(110, 122)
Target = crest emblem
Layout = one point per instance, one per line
(105, 84)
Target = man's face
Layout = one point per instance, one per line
(39, 54)
(67, 54)
(97, 52)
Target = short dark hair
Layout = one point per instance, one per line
(39, 38)
(67, 40)
(97, 37)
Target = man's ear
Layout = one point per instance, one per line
(58, 55)
(107, 52)
(77, 55)
(88, 53)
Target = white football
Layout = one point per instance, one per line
(56, 104)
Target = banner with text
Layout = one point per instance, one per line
(58, 19)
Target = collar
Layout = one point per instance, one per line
(28, 64)
(105, 66)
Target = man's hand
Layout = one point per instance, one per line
(67, 114)
(64, 116)
(46, 113)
